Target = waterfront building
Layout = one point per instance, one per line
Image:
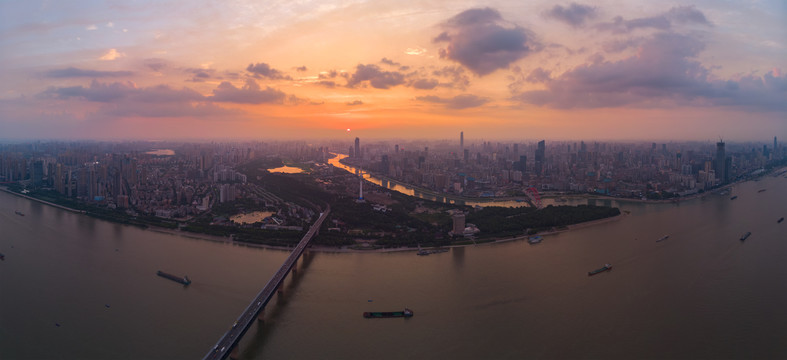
(459, 224)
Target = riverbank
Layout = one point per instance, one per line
(43, 201)
(556, 231)
(344, 249)
(319, 248)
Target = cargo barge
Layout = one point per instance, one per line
(745, 236)
(392, 314)
(606, 267)
(780, 220)
(183, 280)
(19, 213)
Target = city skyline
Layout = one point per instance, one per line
(340, 70)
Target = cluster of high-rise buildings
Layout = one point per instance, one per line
(195, 176)
(129, 176)
(489, 168)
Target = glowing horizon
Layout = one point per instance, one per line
(308, 70)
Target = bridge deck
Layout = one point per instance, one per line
(231, 338)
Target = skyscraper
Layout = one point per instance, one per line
(540, 155)
(357, 151)
(37, 173)
(522, 163)
(461, 140)
(720, 163)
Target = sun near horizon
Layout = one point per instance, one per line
(502, 69)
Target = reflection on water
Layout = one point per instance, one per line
(161, 152)
(286, 170)
(251, 217)
(420, 192)
(432, 195)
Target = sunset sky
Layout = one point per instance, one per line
(634, 70)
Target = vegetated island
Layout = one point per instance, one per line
(384, 220)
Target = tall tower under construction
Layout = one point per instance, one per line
(720, 163)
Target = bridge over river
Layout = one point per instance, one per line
(225, 346)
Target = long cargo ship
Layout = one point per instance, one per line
(183, 280)
(606, 267)
(745, 236)
(385, 314)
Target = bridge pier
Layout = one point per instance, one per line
(261, 316)
(235, 353)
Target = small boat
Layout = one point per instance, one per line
(734, 197)
(606, 267)
(745, 236)
(534, 240)
(19, 213)
(422, 252)
(761, 190)
(406, 313)
(780, 220)
(665, 237)
(2, 257)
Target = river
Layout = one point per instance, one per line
(702, 293)
(448, 198)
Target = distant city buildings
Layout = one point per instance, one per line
(489, 169)
(193, 178)
(179, 183)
